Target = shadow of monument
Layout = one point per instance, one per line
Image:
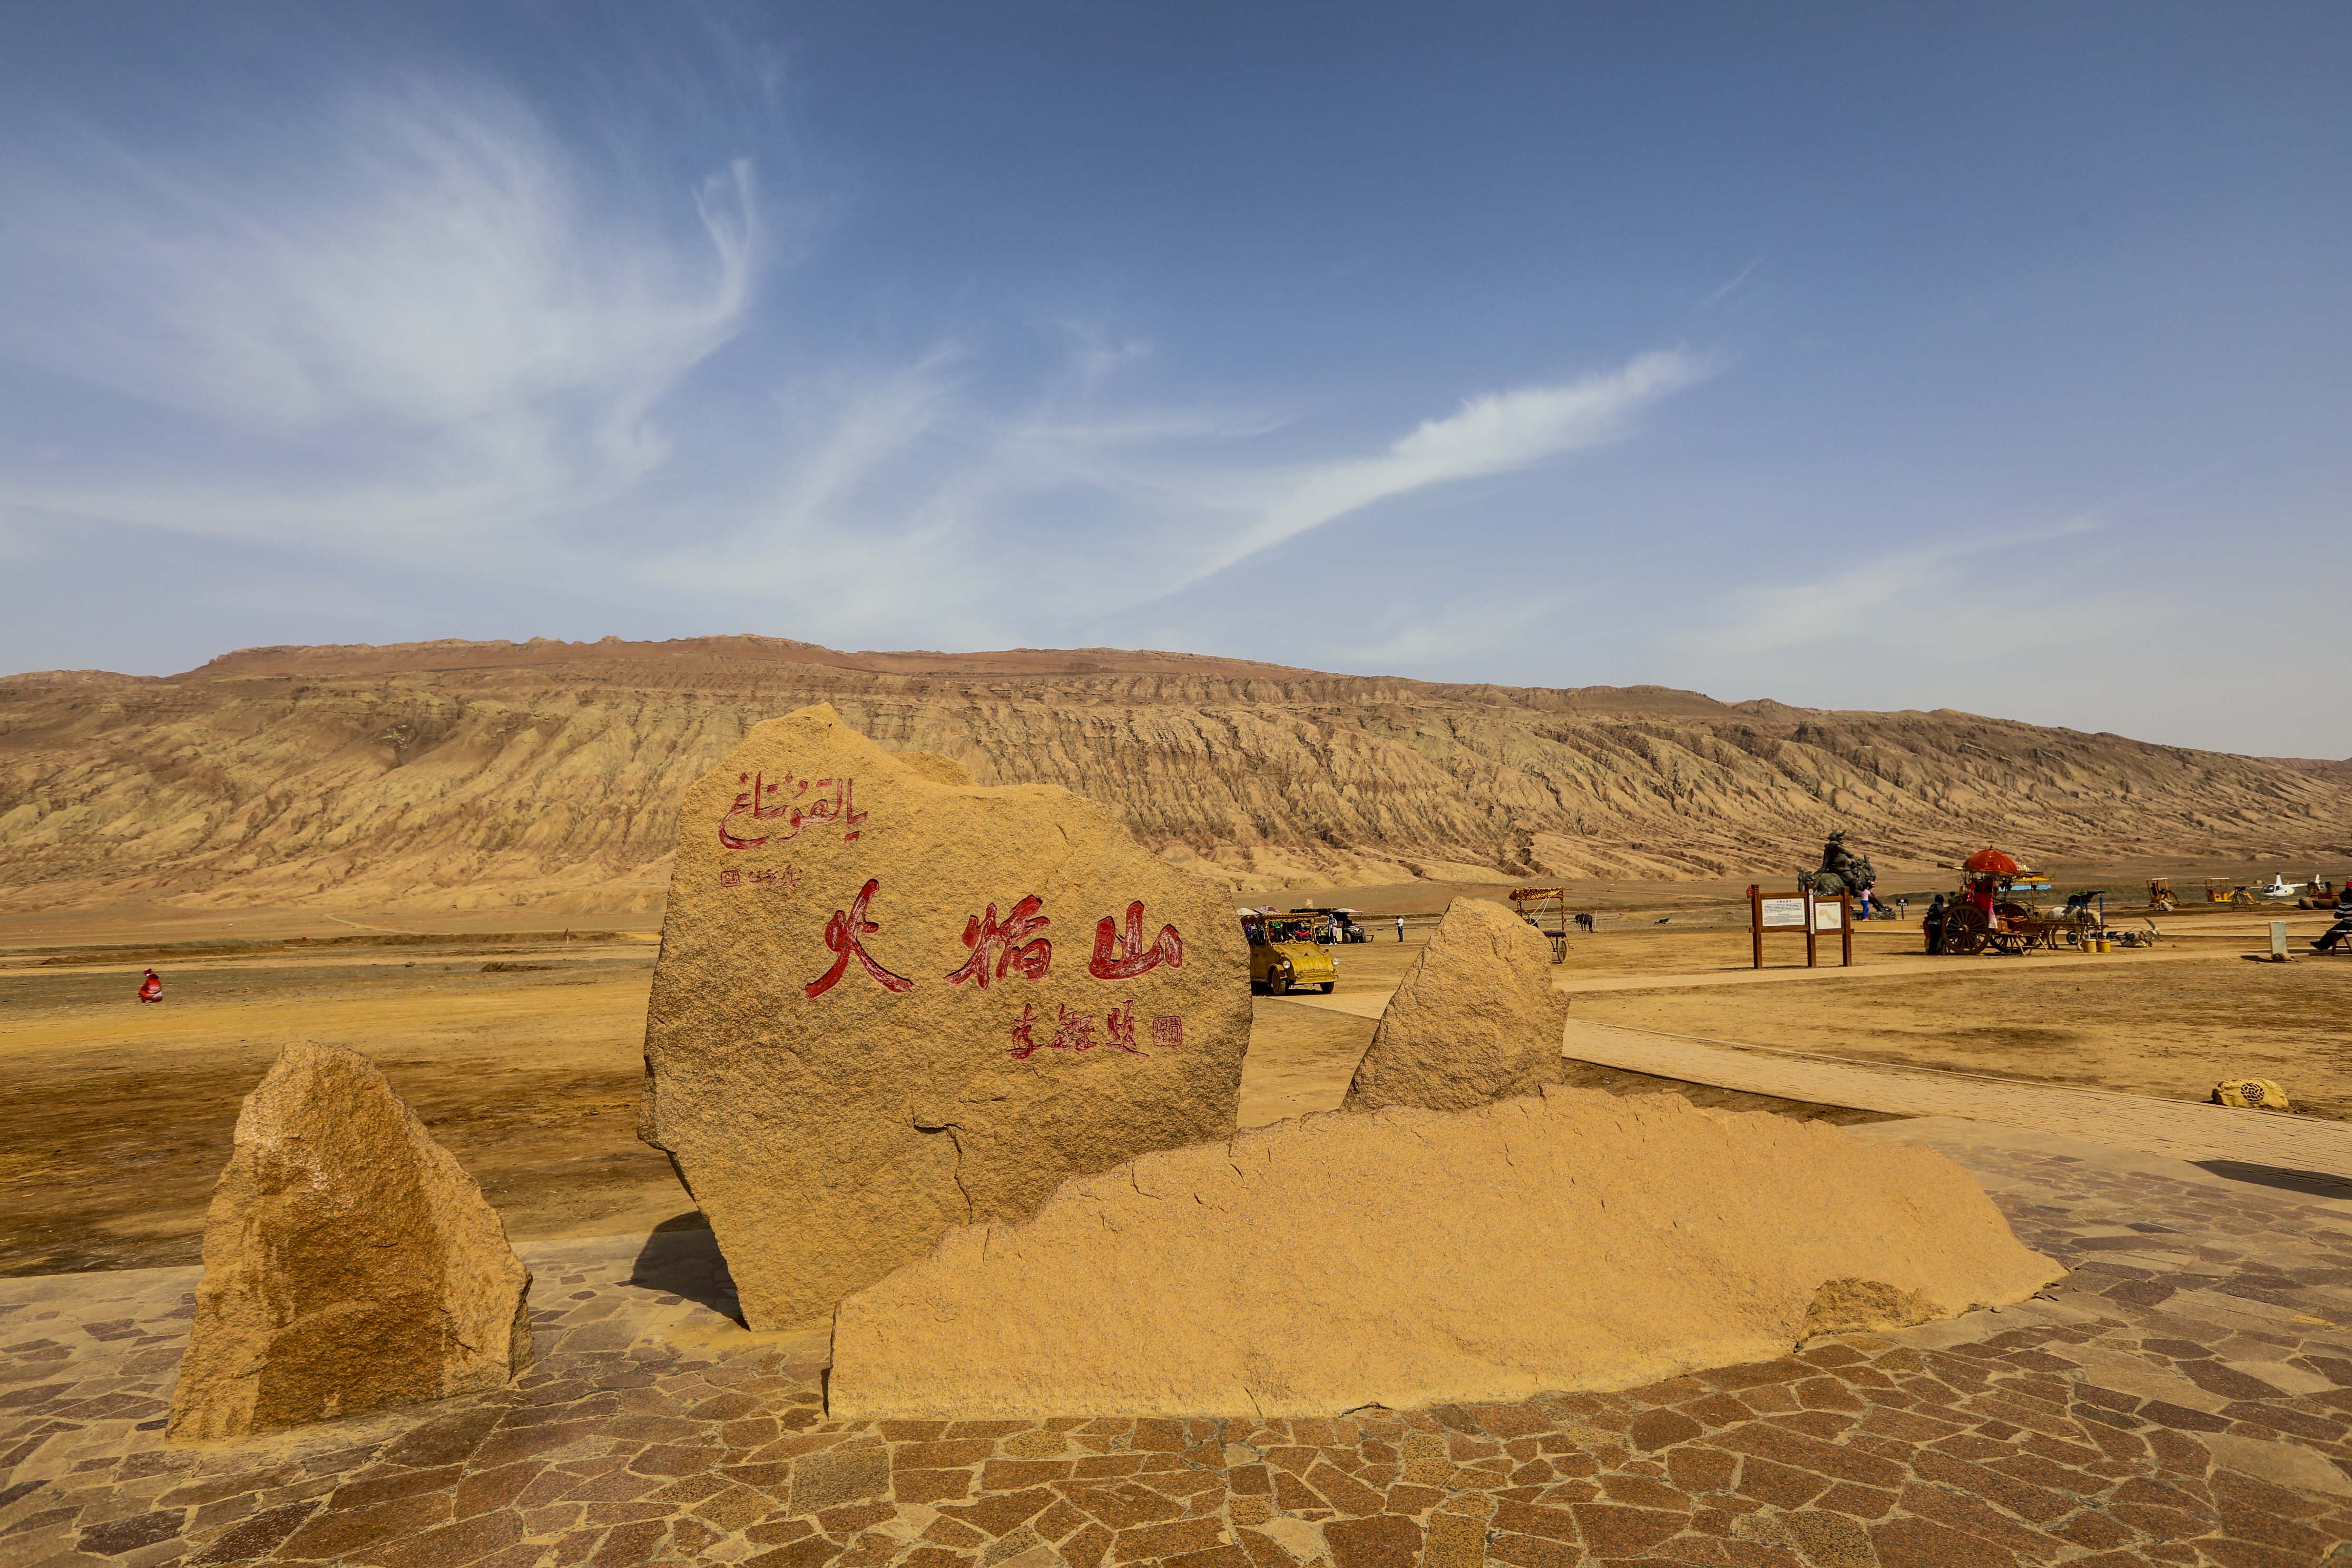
(2313, 1184)
(681, 1259)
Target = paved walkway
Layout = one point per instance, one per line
(1778, 970)
(1368, 1004)
(2182, 1130)
(2184, 1397)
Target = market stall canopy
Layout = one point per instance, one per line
(1992, 861)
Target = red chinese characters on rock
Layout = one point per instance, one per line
(1076, 1031)
(788, 879)
(1012, 943)
(1073, 1031)
(844, 934)
(1123, 956)
(761, 803)
(1024, 1044)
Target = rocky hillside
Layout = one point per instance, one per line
(464, 775)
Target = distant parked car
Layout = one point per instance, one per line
(1285, 955)
(1340, 925)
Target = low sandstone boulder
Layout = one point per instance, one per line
(1569, 1240)
(1475, 1020)
(890, 1001)
(349, 1264)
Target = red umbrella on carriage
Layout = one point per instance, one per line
(1991, 862)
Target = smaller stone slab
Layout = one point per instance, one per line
(1410, 1258)
(349, 1263)
(1475, 1020)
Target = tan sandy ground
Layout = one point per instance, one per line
(2168, 1029)
(115, 1119)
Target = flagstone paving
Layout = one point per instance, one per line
(2183, 1397)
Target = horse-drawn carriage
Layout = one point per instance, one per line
(2014, 928)
(1986, 916)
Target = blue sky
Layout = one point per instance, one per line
(1868, 356)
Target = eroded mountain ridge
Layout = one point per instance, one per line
(469, 774)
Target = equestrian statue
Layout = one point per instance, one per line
(1842, 870)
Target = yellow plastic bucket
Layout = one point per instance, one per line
(2100, 944)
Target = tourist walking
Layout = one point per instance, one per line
(1400, 928)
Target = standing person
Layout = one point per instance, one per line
(1400, 928)
(151, 988)
(1934, 925)
(2343, 926)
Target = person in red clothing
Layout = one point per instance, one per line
(150, 989)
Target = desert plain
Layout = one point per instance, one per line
(522, 1049)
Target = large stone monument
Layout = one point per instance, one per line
(1476, 1018)
(349, 1264)
(1567, 1240)
(890, 1001)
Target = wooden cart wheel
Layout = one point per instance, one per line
(1964, 934)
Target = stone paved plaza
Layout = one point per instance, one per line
(2183, 1397)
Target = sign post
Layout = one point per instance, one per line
(1800, 911)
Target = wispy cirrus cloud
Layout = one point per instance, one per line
(915, 493)
(1427, 637)
(1909, 589)
(425, 327)
(1492, 434)
(416, 315)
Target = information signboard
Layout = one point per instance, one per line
(1802, 911)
